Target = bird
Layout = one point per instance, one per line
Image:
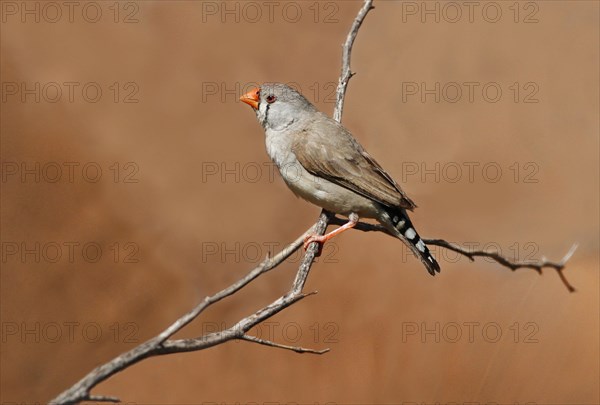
(323, 163)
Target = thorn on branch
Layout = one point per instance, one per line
(103, 398)
(269, 343)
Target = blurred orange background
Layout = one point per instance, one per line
(171, 181)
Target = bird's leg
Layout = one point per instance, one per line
(352, 221)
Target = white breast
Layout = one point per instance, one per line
(316, 190)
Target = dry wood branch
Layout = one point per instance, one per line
(538, 265)
(347, 74)
(162, 344)
(103, 398)
(296, 349)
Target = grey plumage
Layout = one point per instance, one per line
(323, 163)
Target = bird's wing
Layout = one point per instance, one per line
(328, 150)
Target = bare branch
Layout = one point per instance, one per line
(513, 265)
(347, 74)
(265, 266)
(162, 344)
(296, 349)
(472, 254)
(309, 257)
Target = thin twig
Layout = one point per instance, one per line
(347, 74)
(296, 349)
(160, 345)
(103, 398)
(472, 254)
(537, 265)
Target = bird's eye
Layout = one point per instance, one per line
(271, 98)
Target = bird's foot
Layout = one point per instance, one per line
(320, 240)
(353, 220)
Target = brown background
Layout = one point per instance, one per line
(370, 290)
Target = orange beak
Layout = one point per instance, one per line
(251, 98)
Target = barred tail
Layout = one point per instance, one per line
(408, 234)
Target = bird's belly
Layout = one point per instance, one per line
(326, 194)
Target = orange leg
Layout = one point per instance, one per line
(352, 221)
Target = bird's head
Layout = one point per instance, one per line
(277, 105)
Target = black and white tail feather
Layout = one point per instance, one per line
(408, 234)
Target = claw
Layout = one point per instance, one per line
(320, 240)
